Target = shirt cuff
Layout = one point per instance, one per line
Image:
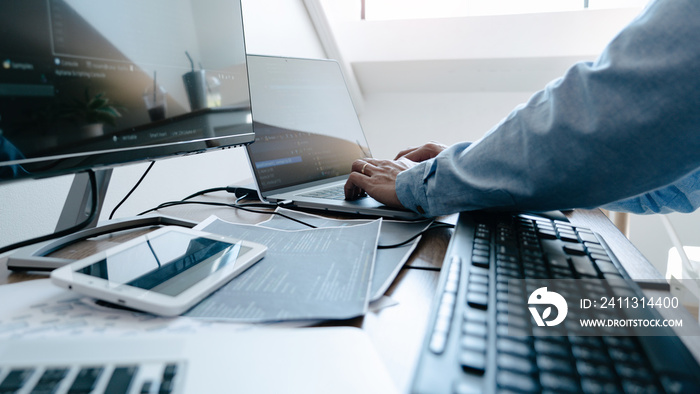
(411, 188)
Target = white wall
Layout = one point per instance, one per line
(393, 121)
(31, 208)
(453, 79)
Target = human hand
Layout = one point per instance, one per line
(376, 178)
(421, 153)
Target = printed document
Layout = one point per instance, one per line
(388, 262)
(311, 274)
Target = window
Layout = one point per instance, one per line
(417, 9)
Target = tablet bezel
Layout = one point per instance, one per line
(151, 301)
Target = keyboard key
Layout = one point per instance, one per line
(606, 266)
(678, 384)
(478, 300)
(473, 361)
(518, 348)
(50, 380)
(507, 273)
(510, 298)
(481, 246)
(478, 271)
(626, 356)
(557, 349)
(595, 370)
(146, 387)
(511, 263)
(625, 343)
(520, 382)
(166, 386)
(475, 315)
(482, 241)
(547, 234)
(476, 329)
(635, 373)
(559, 383)
(557, 365)
(515, 363)
(15, 380)
(513, 320)
(570, 238)
(545, 225)
(478, 288)
(631, 386)
(442, 324)
(575, 249)
(587, 236)
(481, 261)
(438, 341)
(461, 387)
(513, 332)
(584, 266)
(331, 193)
(592, 385)
(473, 342)
(478, 278)
(591, 342)
(85, 381)
(448, 299)
(563, 226)
(595, 248)
(120, 381)
(451, 286)
(591, 355)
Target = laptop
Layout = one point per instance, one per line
(307, 136)
(273, 360)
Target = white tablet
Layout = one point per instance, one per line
(164, 272)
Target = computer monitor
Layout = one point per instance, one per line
(94, 84)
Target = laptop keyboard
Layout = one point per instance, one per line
(143, 378)
(331, 193)
(483, 338)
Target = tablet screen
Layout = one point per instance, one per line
(168, 263)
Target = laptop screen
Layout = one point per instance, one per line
(306, 127)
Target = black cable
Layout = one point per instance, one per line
(238, 191)
(431, 227)
(205, 191)
(246, 207)
(64, 232)
(421, 268)
(132, 190)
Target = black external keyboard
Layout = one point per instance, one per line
(488, 333)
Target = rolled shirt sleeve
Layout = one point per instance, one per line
(681, 196)
(610, 130)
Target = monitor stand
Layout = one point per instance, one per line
(75, 210)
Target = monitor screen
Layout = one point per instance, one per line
(87, 83)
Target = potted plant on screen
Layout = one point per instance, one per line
(92, 113)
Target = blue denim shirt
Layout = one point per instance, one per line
(624, 129)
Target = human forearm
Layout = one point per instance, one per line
(608, 130)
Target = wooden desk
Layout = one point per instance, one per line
(397, 332)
